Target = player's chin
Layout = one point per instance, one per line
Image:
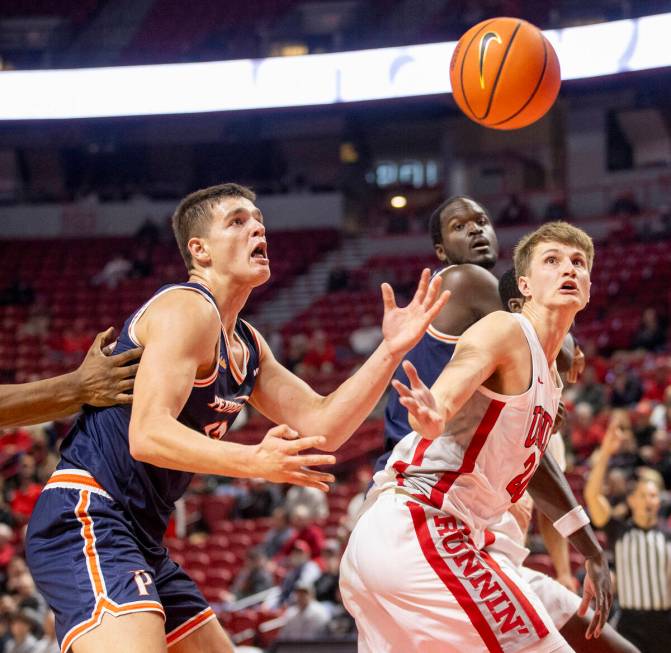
(260, 276)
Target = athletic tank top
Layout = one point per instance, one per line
(483, 462)
(429, 356)
(98, 442)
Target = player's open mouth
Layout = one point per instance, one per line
(480, 245)
(569, 286)
(260, 254)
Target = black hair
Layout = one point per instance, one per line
(436, 219)
(508, 287)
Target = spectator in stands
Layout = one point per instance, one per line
(586, 433)
(626, 387)
(37, 324)
(660, 417)
(298, 346)
(113, 273)
(307, 619)
(640, 423)
(658, 455)
(258, 500)
(21, 625)
(640, 543)
(315, 502)
(326, 586)
(18, 293)
(25, 593)
(321, 354)
(363, 476)
(254, 576)
(306, 532)
(514, 212)
(364, 339)
(651, 334)
(278, 534)
(148, 234)
(73, 343)
(556, 210)
(625, 205)
(7, 549)
(48, 643)
(338, 278)
(302, 569)
(590, 391)
(141, 265)
(27, 491)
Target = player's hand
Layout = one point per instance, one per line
(597, 587)
(577, 366)
(107, 380)
(277, 459)
(425, 416)
(403, 327)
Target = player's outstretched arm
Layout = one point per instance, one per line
(283, 397)
(554, 498)
(100, 380)
(180, 331)
(482, 349)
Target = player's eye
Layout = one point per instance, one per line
(551, 259)
(458, 226)
(579, 262)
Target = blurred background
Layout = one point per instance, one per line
(346, 188)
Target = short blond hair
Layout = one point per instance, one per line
(558, 232)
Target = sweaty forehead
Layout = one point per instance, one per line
(464, 209)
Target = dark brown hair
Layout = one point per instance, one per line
(193, 215)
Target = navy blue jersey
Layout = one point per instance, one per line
(98, 442)
(429, 356)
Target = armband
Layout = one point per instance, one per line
(572, 521)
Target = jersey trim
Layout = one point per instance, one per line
(75, 479)
(198, 383)
(189, 626)
(471, 454)
(442, 337)
(451, 581)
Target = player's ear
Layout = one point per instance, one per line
(199, 250)
(523, 287)
(515, 304)
(440, 252)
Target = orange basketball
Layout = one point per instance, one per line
(504, 73)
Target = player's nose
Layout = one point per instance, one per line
(259, 229)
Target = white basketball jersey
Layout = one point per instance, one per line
(483, 462)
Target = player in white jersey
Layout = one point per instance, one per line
(509, 533)
(415, 575)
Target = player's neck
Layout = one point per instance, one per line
(229, 297)
(551, 327)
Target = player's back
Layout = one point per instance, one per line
(489, 451)
(98, 442)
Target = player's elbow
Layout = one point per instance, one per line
(140, 442)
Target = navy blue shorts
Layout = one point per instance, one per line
(86, 561)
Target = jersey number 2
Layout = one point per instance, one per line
(518, 485)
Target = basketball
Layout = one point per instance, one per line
(505, 73)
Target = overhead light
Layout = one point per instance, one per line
(399, 201)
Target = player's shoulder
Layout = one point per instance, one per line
(184, 309)
(498, 325)
(466, 275)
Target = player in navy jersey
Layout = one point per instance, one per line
(94, 543)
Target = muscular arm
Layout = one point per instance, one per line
(475, 293)
(283, 397)
(100, 381)
(180, 332)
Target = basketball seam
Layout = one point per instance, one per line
(461, 70)
(500, 70)
(533, 94)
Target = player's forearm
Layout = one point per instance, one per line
(343, 411)
(40, 401)
(556, 546)
(554, 498)
(162, 441)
